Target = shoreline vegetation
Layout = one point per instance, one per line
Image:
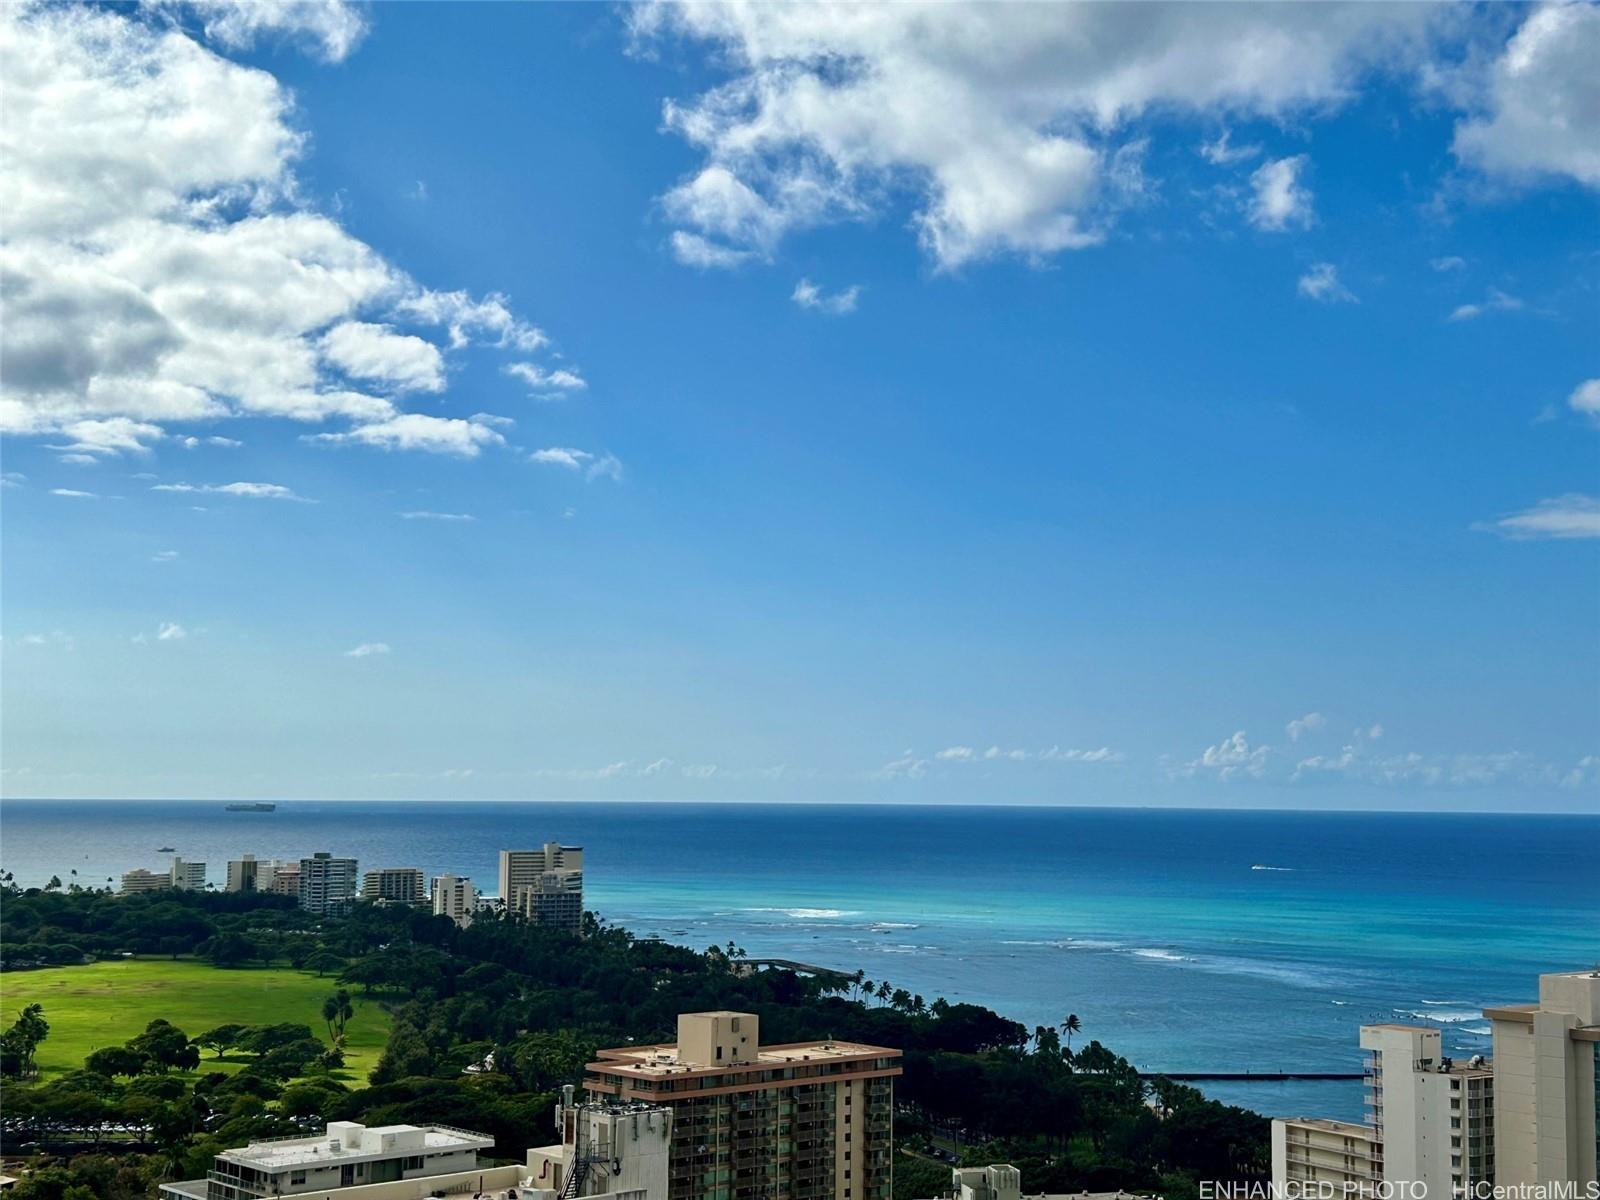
(178, 1024)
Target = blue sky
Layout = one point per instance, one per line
(1000, 404)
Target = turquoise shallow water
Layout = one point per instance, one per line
(1185, 940)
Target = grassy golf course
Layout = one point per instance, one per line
(106, 1003)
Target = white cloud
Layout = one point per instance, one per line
(78, 460)
(171, 631)
(1375, 731)
(421, 431)
(692, 250)
(1230, 758)
(559, 380)
(808, 295)
(73, 493)
(54, 638)
(1222, 153)
(164, 556)
(827, 114)
(331, 27)
(1541, 105)
(251, 491)
(1562, 517)
(561, 456)
(1450, 262)
(112, 436)
(436, 516)
(1585, 399)
(607, 466)
(367, 650)
(158, 265)
(954, 753)
(1495, 301)
(1322, 283)
(1279, 199)
(194, 443)
(378, 353)
(1309, 723)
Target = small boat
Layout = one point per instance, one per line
(166, 850)
(252, 808)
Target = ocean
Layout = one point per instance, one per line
(1185, 940)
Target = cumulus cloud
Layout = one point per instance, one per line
(421, 515)
(808, 295)
(1223, 153)
(604, 466)
(1302, 725)
(158, 264)
(1541, 101)
(74, 494)
(825, 115)
(544, 379)
(377, 353)
(1229, 759)
(1279, 201)
(421, 431)
(1585, 400)
(167, 631)
(251, 491)
(331, 28)
(561, 456)
(1561, 517)
(367, 650)
(1495, 302)
(1321, 283)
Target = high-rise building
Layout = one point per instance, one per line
(456, 898)
(790, 1122)
(327, 884)
(545, 886)
(396, 885)
(285, 879)
(140, 880)
(247, 874)
(1434, 1116)
(606, 1148)
(1545, 1057)
(1430, 1121)
(1306, 1150)
(188, 876)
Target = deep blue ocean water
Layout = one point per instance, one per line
(1185, 940)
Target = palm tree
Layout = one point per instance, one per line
(346, 1009)
(1071, 1026)
(330, 1014)
(884, 991)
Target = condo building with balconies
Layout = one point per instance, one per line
(1547, 1128)
(544, 886)
(804, 1121)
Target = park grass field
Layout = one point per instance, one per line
(106, 1003)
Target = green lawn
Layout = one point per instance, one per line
(106, 1003)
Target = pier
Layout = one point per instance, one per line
(1250, 1076)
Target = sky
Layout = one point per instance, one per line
(1104, 404)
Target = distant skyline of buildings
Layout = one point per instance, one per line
(543, 886)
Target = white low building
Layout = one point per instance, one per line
(347, 1156)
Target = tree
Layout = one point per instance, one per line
(165, 1046)
(1071, 1026)
(346, 1009)
(228, 949)
(330, 1014)
(18, 1044)
(111, 1061)
(324, 962)
(222, 1037)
